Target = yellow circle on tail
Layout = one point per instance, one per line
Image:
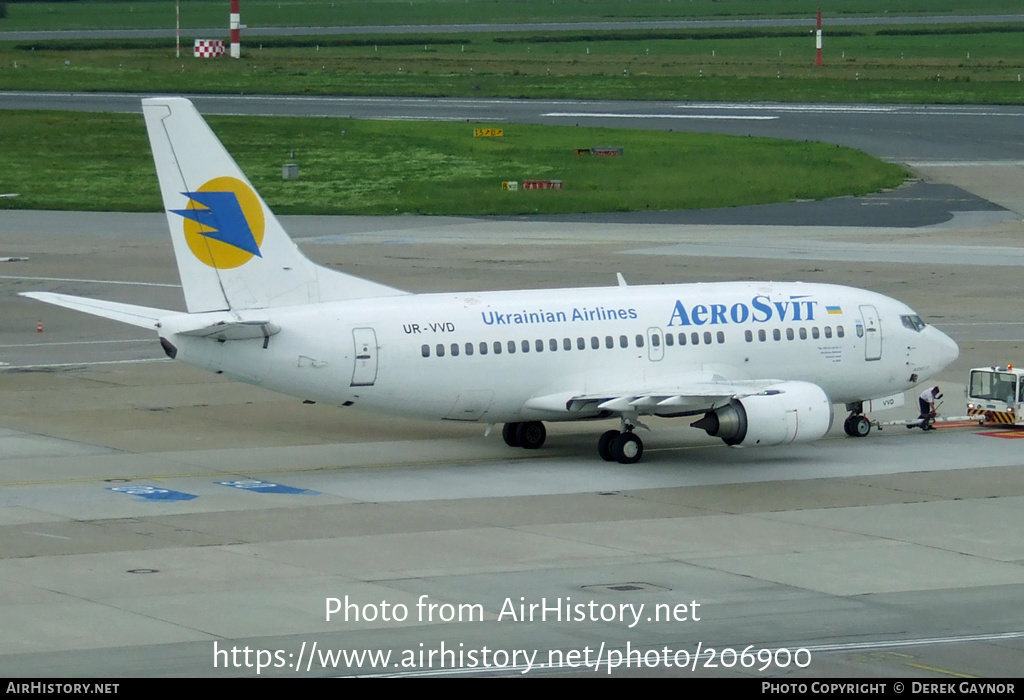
(219, 254)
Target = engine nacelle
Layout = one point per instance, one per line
(783, 413)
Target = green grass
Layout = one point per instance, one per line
(147, 14)
(79, 161)
(962, 64)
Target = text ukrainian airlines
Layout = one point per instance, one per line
(576, 315)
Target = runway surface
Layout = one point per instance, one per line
(158, 521)
(496, 28)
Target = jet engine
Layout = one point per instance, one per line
(782, 413)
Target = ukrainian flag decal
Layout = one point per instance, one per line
(834, 309)
(223, 223)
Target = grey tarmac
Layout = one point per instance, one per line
(893, 556)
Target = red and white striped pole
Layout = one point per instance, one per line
(235, 21)
(817, 42)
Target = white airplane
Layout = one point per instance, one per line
(761, 363)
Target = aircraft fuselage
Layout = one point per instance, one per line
(484, 356)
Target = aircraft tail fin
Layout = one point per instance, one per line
(232, 252)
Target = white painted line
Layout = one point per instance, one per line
(76, 342)
(983, 323)
(853, 646)
(963, 163)
(409, 118)
(765, 107)
(88, 364)
(43, 534)
(614, 115)
(898, 643)
(71, 279)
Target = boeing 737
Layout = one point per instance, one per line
(755, 363)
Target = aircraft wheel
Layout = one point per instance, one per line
(604, 445)
(857, 426)
(508, 433)
(531, 435)
(627, 448)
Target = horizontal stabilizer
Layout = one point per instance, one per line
(141, 316)
(235, 330)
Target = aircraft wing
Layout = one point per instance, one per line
(694, 394)
(142, 316)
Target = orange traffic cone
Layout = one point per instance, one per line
(39, 326)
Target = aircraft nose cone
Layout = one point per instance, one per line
(948, 350)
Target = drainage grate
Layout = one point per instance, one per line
(626, 586)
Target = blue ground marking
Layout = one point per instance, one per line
(152, 493)
(267, 487)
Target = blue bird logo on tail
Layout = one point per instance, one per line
(223, 223)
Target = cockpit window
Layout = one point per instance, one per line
(913, 322)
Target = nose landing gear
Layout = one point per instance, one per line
(857, 425)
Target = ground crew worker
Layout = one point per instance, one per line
(926, 402)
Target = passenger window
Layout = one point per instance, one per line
(483, 348)
(777, 334)
(656, 340)
(567, 343)
(803, 333)
(639, 341)
(707, 337)
(815, 333)
(721, 337)
(609, 342)
(828, 331)
(789, 334)
(539, 344)
(511, 347)
(526, 346)
(682, 338)
(581, 344)
(840, 332)
(497, 347)
(761, 335)
(670, 339)
(455, 349)
(623, 341)
(595, 343)
(440, 350)
(553, 345)
(694, 339)
(749, 336)
(469, 348)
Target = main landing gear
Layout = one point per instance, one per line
(624, 447)
(857, 424)
(529, 435)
